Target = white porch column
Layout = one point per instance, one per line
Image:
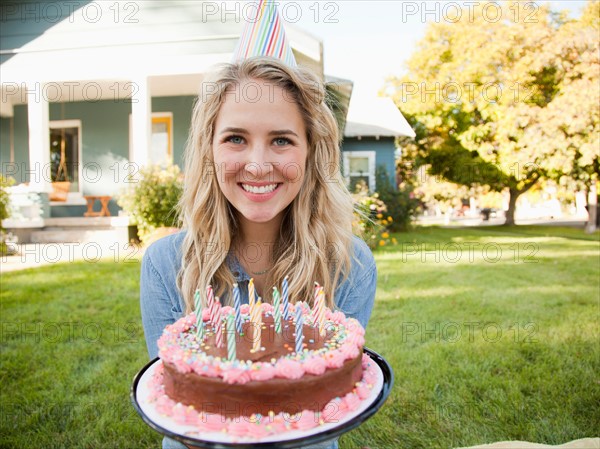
(141, 122)
(39, 138)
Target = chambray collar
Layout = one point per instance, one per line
(236, 269)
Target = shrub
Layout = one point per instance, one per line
(401, 203)
(4, 212)
(371, 218)
(4, 198)
(151, 201)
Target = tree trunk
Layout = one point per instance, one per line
(591, 225)
(512, 205)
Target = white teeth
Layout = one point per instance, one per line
(262, 189)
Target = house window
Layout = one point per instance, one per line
(161, 148)
(359, 166)
(65, 156)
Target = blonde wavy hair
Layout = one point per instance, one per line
(315, 239)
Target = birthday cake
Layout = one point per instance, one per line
(279, 367)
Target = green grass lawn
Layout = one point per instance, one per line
(493, 334)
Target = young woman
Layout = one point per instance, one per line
(263, 199)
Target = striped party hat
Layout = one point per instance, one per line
(264, 36)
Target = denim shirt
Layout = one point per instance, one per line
(162, 303)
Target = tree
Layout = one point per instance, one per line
(495, 97)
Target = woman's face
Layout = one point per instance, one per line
(260, 149)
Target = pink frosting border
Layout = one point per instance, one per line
(348, 333)
(258, 426)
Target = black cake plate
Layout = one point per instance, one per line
(287, 440)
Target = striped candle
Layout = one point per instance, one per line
(256, 320)
(251, 293)
(319, 312)
(264, 35)
(299, 330)
(231, 353)
(285, 299)
(237, 304)
(277, 312)
(218, 324)
(199, 322)
(213, 306)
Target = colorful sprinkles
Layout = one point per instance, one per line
(180, 346)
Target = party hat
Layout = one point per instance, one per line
(264, 36)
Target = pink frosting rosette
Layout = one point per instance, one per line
(227, 310)
(307, 419)
(277, 424)
(349, 350)
(334, 359)
(164, 405)
(236, 376)
(206, 370)
(182, 414)
(267, 308)
(212, 422)
(239, 427)
(351, 401)
(315, 365)
(366, 360)
(289, 369)
(363, 391)
(265, 371)
(258, 430)
(334, 411)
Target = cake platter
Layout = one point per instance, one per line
(186, 434)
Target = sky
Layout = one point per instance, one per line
(365, 41)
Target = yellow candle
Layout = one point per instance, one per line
(256, 320)
(251, 294)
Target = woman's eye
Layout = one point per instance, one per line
(281, 141)
(235, 139)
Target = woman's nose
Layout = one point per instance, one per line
(259, 164)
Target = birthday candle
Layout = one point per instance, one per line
(299, 330)
(213, 308)
(286, 303)
(319, 311)
(199, 322)
(237, 303)
(218, 324)
(277, 315)
(230, 338)
(251, 293)
(256, 320)
(316, 293)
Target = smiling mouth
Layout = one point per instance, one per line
(259, 189)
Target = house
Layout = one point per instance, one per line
(372, 126)
(92, 91)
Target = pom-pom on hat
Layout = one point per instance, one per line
(264, 35)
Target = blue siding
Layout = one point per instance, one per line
(4, 142)
(384, 148)
(181, 107)
(18, 170)
(105, 142)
